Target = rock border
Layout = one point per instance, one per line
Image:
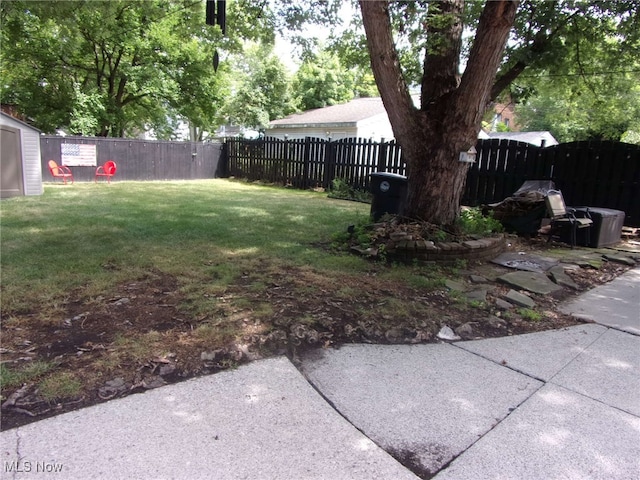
(409, 250)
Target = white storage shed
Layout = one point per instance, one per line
(20, 162)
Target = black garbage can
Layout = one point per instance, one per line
(389, 194)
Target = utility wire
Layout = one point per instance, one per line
(583, 74)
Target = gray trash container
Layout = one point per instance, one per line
(389, 194)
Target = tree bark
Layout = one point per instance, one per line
(450, 114)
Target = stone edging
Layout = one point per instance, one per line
(408, 250)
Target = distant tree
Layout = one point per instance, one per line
(631, 136)
(593, 95)
(321, 80)
(262, 87)
(118, 67)
(109, 67)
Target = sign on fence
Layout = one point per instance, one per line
(78, 155)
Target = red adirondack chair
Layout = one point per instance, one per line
(60, 171)
(107, 170)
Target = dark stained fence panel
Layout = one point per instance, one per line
(141, 159)
(598, 174)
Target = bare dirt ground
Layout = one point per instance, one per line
(139, 337)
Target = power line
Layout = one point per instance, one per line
(583, 74)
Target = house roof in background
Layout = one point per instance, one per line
(345, 113)
(534, 138)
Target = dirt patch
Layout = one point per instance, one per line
(144, 334)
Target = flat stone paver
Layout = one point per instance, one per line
(561, 278)
(260, 421)
(557, 434)
(424, 403)
(520, 299)
(526, 261)
(541, 355)
(623, 259)
(615, 304)
(608, 371)
(530, 281)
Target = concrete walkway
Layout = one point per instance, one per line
(559, 404)
(615, 304)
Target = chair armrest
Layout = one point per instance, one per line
(582, 213)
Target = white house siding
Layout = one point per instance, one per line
(376, 128)
(292, 133)
(31, 161)
(373, 128)
(534, 138)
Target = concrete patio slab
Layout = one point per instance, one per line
(615, 304)
(556, 434)
(425, 404)
(540, 355)
(261, 421)
(608, 371)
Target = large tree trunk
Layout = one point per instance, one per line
(451, 110)
(435, 176)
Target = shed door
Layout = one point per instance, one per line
(11, 182)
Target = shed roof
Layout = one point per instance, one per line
(345, 113)
(14, 119)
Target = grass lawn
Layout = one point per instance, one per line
(89, 238)
(133, 281)
(111, 289)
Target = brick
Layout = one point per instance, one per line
(473, 244)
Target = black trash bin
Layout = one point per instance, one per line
(389, 194)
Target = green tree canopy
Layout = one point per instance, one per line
(594, 93)
(321, 80)
(262, 88)
(116, 67)
(108, 67)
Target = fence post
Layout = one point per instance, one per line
(330, 163)
(306, 158)
(381, 164)
(222, 169)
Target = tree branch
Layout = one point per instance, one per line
(539, 46)
(494, 26)
(385, 62)
(440, 72)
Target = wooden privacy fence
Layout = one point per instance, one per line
(141, 159)
(312, 162)
(598, 174)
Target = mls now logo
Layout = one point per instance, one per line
(28, 467)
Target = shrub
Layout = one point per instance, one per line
(473, 222)
(341, 189)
